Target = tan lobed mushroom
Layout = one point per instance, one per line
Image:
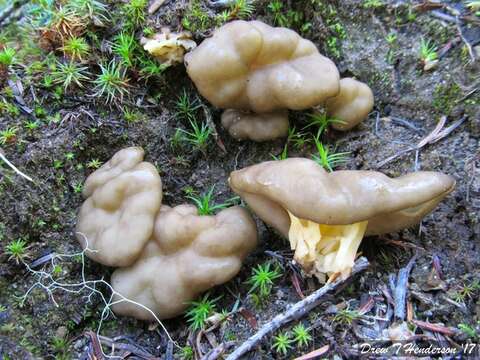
(122, 199)
(167, 256)
(325, 215)
(249, 65)
(187, 255)
(257, 127)
(351, 105)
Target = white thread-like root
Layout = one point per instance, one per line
(14, 168)
(46, 281)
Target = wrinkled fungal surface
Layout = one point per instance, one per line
(243, 125)
(351, 105)
(122, 199)
(166, 256)
(250, 65)
(325, 215)
(187, 255)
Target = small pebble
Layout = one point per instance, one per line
(61, 332)
(280, 294)
(78, 344)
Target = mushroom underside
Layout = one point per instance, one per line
(326, 249)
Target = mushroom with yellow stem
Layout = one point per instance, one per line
(325, 215)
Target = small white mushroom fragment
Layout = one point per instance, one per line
(168, 47)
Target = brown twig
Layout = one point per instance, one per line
(96, 347)
(296, 285)
(437, 134)
(295, 312)
(214, 354)
(314, 354)
(469, 46)
(213, 129)
(427, 6)
(436, 328)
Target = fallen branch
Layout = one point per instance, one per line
(2, 156)
(295, 312)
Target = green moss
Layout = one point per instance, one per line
(230, 336)
(336, 30)
(196, 18)
(405, 14)
(372, 4)
(445, 97)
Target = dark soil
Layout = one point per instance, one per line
(44, 213)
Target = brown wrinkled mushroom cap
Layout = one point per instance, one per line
(351, 105)
(122, 200)
(257, 127)
(309, 192)
(252, 66)
(167, 256)
(187, 255)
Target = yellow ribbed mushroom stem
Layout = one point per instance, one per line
(325, 249)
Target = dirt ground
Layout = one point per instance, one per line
(443, 287)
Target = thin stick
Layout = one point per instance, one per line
(435, 135)
(211, 125)
(297, 311)
(13, 167)
(400, 293)
(442, 16)
(465, 40)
